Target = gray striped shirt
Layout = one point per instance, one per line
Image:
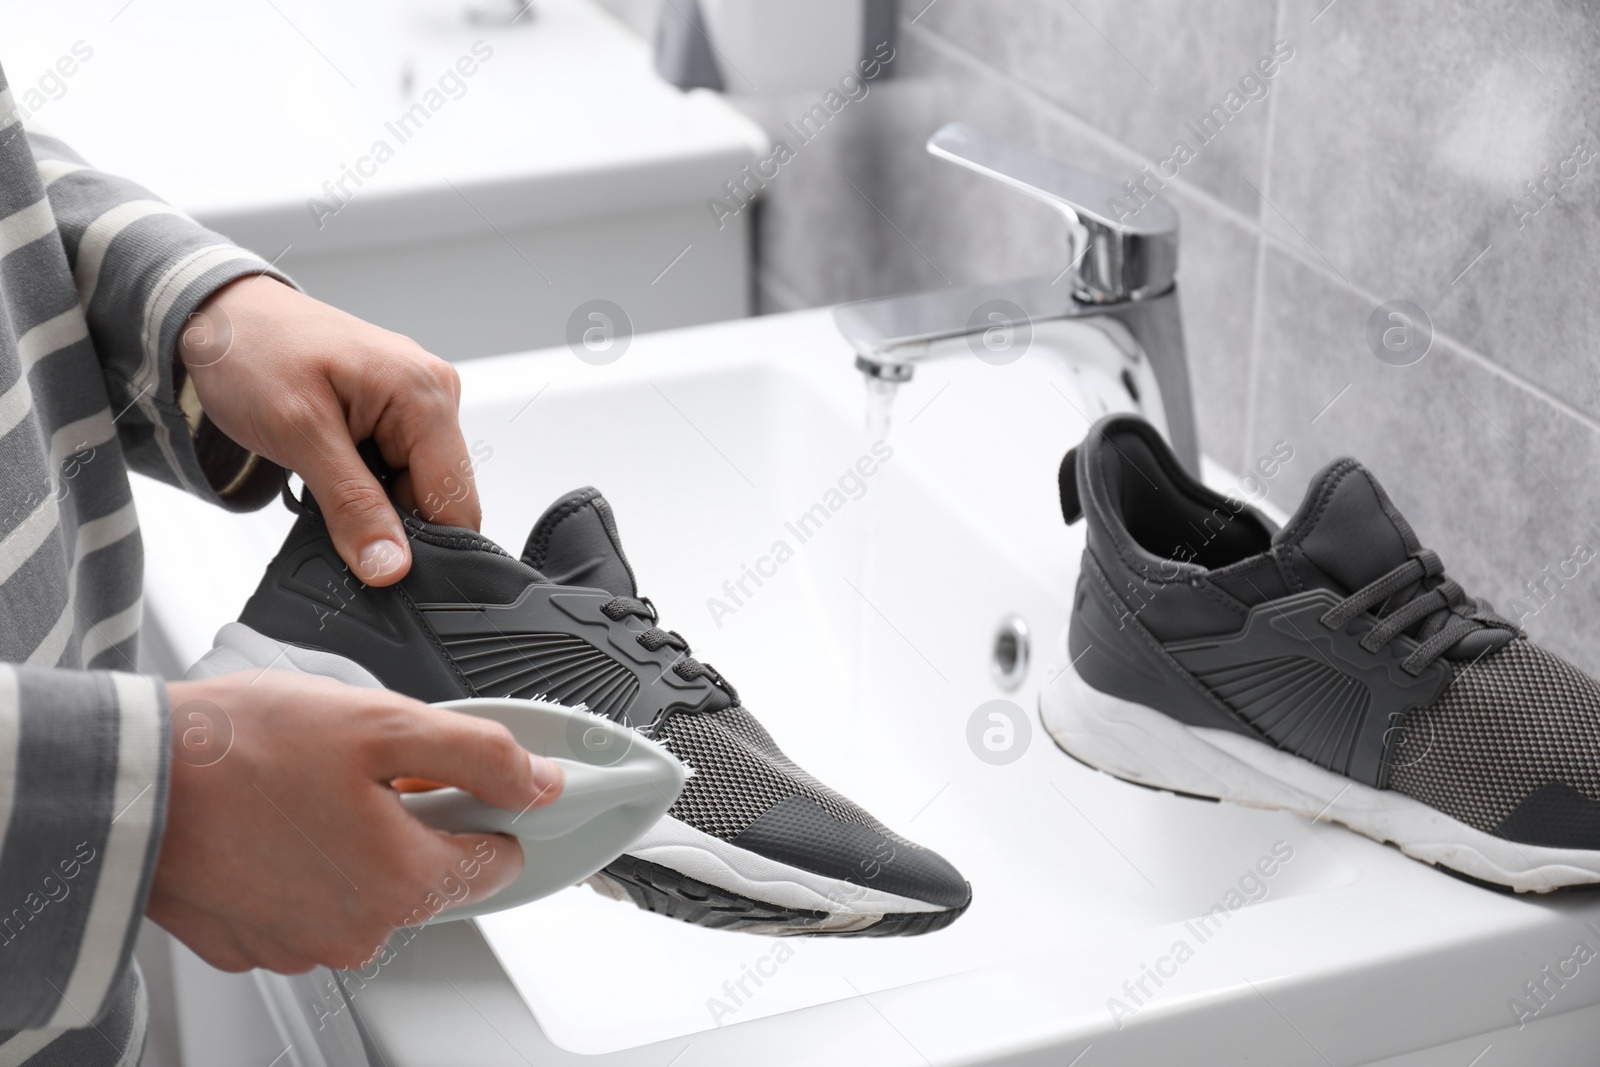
(97, 278)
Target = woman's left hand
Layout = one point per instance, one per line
(301, 383)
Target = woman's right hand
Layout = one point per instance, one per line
(286, 845)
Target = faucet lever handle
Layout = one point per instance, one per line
(1118, 254)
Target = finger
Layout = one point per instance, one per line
(364, 526)
(473, 754)
(473, 867)
(423, 436)
(439, 482)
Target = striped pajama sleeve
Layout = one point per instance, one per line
(141, 268)
(97, 279)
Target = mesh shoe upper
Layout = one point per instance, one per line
(744, 790)
(740, 774)
(1507, 725)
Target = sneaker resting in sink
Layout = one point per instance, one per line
(1329, 668)
(753, 843)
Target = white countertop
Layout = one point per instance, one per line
(239, 113)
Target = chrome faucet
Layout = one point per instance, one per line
(1122, 269)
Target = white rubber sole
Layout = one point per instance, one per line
(678, 846)
(1142, 745)
(671, 843)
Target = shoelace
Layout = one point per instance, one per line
(1445, 611)
(684, 666)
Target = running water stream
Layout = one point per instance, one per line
(880, 396)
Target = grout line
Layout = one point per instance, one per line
(1252, 386)
(1114, 147)
(1272, 127)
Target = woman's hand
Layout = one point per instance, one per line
(301, 383)
(286, 845)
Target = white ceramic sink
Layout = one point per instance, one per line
(526, 168)
(867, 654)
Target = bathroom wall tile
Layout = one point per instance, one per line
(1489, 475)
(1138, 70)
(1402, 145)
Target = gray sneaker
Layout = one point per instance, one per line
(1328, 668)
(753, 842)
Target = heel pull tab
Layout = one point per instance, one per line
(1067, 481)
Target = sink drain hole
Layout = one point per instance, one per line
(1008, 659)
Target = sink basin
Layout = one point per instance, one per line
(525, 168)
(867, 652)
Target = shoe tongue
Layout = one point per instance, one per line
(575, 542)
(1347, 527)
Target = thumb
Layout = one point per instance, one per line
(364, 526)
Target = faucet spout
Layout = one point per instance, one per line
(1123, 269)
(1116, 254)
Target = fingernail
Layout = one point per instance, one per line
(548, 778)
(378, 559)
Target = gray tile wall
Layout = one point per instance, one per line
(1389, 157)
